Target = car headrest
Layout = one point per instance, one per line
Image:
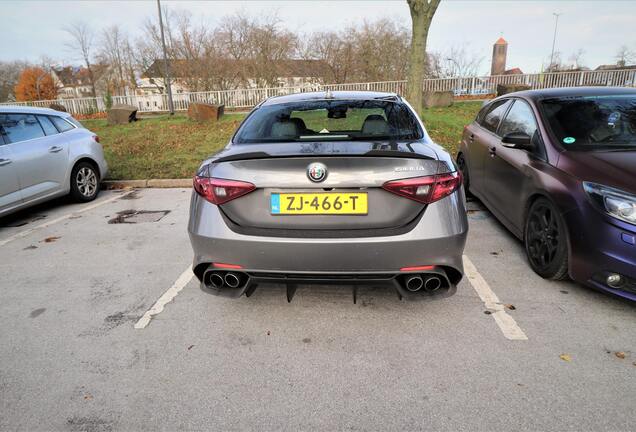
(375, 124)
(284, 129)
(300, 123)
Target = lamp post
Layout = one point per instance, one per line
(556, 23)
(459, 69)
(165, 62)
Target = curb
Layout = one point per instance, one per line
(149, 183)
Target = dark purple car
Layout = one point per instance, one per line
(558, 168)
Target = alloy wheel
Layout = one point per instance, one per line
(543, 236)
(86, 181)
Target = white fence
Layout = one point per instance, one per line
(246, 98)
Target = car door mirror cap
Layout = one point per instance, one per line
(517, 140)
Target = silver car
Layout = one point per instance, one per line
(329, 188)
(45, 154)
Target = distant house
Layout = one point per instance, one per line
(513, 71)
(230, 74)
(616, 67)
(74, 82)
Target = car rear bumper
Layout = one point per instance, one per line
(437, 239)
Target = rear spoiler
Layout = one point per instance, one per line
(371, 153)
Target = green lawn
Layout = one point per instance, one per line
(161, 147)
(173, 147)
(445, 125)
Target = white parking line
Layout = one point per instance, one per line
(506, 323)
(167, 297)
(26, 232)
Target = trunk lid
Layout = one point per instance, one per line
(352, 167)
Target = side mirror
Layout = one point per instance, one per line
(517, 140)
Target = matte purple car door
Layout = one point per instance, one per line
(506, 173)
(483, 138)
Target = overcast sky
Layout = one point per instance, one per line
(30, 29)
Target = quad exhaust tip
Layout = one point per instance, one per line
(216, 280)
(414, 283)
(429, 283)
(232, 280)
(432, 284)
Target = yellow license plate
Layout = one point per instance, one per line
(319, 203)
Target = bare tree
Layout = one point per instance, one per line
(374, 51)
(337, 51)
(457, 61)
(115, 50)
(82, 42)
(625, 56)
(576, 59)
(422, 12)
(556, 65)
(270, 45)
(9, 75)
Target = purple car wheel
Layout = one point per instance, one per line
(545, 241)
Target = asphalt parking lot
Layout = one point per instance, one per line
(509, 351)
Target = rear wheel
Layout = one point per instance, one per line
(546, 241)
(84, 182)
(463, 167)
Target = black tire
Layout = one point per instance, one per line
(463, 168)
(545, 238)
(84, 182)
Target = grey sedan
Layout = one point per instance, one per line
(45, 154)
(329, 188)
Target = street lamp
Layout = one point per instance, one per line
(456, 65)
(556, 23)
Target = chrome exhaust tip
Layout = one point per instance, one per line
(232, 280)
(432, 284)
(215, 280)
(414, 283)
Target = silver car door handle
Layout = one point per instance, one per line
(5, 162)
(55, 149)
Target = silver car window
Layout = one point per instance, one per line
(20, 127)
(61, 124)
(47, 125)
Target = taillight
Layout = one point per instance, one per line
(96, 138)
(219, 191)
(426, 189)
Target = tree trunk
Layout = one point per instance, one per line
(422, 12)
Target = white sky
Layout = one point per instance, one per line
(29, 29)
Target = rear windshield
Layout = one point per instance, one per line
(330, 120)
(593, 122)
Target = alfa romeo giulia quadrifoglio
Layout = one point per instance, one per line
(329, 188)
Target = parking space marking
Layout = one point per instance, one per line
(506, 323)
(26, 232)
(167, 297)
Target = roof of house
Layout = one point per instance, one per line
(73, 76)
(616, 67)
(513, 71)
(286, 68)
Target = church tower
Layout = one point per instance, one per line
(499, 51)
